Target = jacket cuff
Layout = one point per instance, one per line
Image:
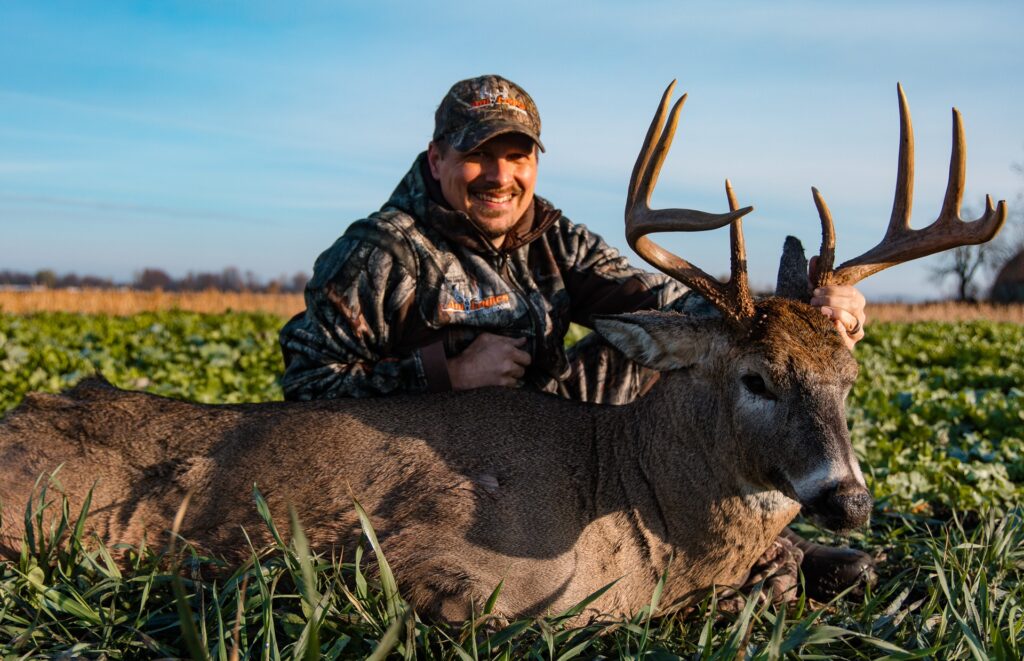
(435, 367)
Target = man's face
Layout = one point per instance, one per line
(493, 183)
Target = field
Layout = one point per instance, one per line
(126, 301)
(936, 417)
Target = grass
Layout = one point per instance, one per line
(937, 418)
(951, 589)
(128, 302)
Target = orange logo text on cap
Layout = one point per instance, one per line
(499, 100)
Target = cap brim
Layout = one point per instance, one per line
(470, 140)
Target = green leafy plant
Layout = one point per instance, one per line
(936, 417)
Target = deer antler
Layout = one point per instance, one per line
(902, 244)
(733, 298)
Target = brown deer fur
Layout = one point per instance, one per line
(553, 497)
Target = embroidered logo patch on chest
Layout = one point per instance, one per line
(453, 300)
(477, 304)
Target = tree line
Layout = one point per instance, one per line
(992, 271)
(151, 279)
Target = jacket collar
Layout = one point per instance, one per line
(419, 195)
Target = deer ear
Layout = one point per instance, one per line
(659, 340)
(793, 282)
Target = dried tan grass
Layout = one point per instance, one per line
(126, 301)
(123, 302)
(944, 311)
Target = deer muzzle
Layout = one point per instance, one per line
(843, 506)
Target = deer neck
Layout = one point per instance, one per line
(678, 476)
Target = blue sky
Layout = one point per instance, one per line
(197, 135)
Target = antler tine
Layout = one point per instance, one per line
(733, 298)
(640, 218)
(902, 244)
(827, 254)
(738, 260)
(640, 167)
(950, 211)
(903, 199)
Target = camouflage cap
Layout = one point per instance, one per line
(478, 109)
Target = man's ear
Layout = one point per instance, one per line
(660, 340)
(434, 155)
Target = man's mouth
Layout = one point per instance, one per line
(490, 197)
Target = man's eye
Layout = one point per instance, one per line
(756, 385)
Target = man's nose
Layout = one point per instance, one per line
(500, 171)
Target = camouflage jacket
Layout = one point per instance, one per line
(416, 282)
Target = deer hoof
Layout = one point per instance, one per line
(829, 571)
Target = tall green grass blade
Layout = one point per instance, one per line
(392, 598)
(307, 583)
(773, 650)
(391, 636)
(79, 529)
(362, 589)
(493, 599)
(576, 650)
(264, 511)
(186, 619)
(653, 607)
(578, 608)
(72, 605)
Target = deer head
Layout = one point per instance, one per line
(778, 371)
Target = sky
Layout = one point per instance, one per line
(191, 136)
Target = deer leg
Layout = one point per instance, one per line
(779, 570)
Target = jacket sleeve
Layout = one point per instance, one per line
(357, 302)
(601, 281)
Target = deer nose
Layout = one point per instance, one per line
(843, 506)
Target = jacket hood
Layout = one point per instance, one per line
(419, 195)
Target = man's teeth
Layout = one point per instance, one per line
(487, 197)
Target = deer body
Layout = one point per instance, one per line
(555, 498)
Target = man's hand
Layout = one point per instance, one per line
(491, 360)
(844, 305)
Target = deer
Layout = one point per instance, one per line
(745, 429)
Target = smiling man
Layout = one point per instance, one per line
(465, 278)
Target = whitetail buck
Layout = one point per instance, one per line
(745, 428)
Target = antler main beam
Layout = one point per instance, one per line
(732, 298)
(901, 243)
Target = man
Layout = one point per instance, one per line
(466, 278)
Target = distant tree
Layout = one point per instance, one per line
(206, 281)
(96, 282)
(151, 279)
(252, 281)
(231, 279)
(15, 278)
(966, 266)
(963, 265)
(46, 278)
(69, 280)
(299, 281)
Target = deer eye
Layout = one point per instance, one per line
(756, 385)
